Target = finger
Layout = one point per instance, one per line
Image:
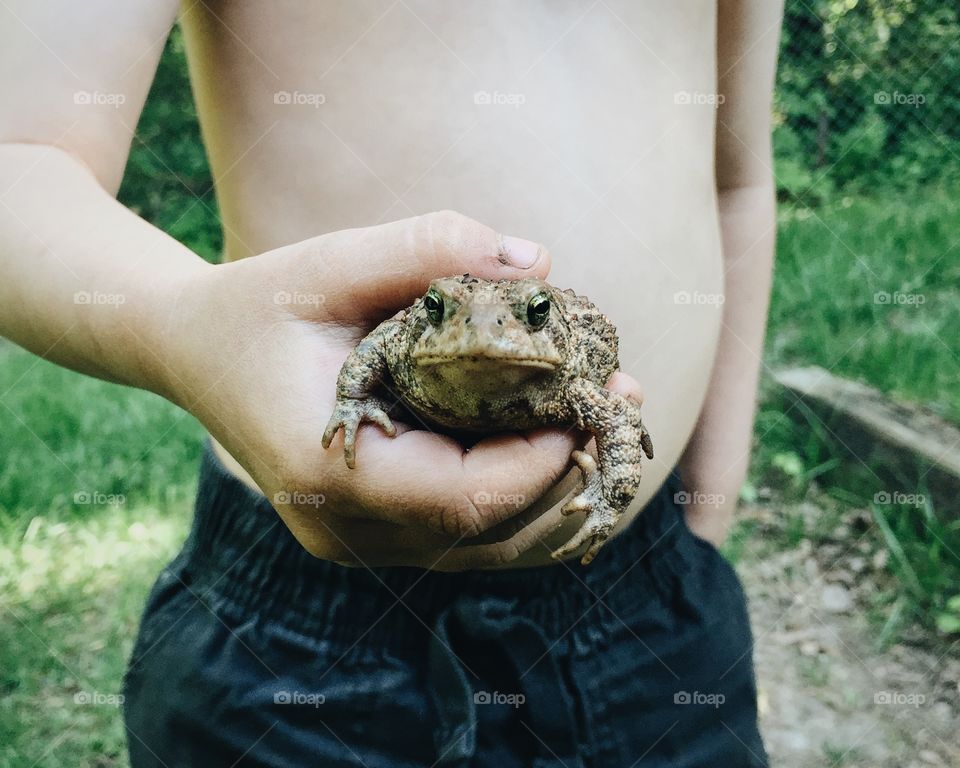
(533, 528)
(360, 543)
(624, 384)
(595, 546)
(425, 479)
(378, 270)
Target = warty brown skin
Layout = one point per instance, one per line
(481, 356)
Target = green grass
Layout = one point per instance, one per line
(73, 576)
(70, 597)
(70, 439)
(831, 264)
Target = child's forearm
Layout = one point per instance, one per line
(84, 282)
(715, 462)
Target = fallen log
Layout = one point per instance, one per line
(905, 440)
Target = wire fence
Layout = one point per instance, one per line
(868, 96)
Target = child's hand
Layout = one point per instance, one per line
(260, 343)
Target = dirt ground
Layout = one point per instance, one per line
(829, 694)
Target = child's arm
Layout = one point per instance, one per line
(83, 281)
(715, 461)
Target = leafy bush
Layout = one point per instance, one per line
(867, 97)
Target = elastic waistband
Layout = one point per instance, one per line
(241, 555)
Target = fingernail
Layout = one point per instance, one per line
(519, 252)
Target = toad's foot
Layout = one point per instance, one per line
(350, 414)
(601, 515)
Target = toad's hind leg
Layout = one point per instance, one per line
(611, 482)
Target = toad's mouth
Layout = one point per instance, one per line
(480, 360)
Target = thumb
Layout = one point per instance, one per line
(378, 270)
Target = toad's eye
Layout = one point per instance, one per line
(538, 310)
(433, 303)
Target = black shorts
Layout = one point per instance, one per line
(253, 653)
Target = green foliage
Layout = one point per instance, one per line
(75, 447)
(868, 288)
(867, 96)
(924, 558)
(71, 595)
(96, 482)
(948, 620)
(167, 179)
(796, 178)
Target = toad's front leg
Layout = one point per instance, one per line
(362, 373)
(611, 482)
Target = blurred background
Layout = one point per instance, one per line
(849, 554)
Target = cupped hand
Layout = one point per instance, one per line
(258, 345)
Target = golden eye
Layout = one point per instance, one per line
(433, 303)
(538, 310)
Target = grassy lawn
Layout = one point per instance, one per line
(871, 290)
(70, 439)
(95, 492)
(70, 598)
